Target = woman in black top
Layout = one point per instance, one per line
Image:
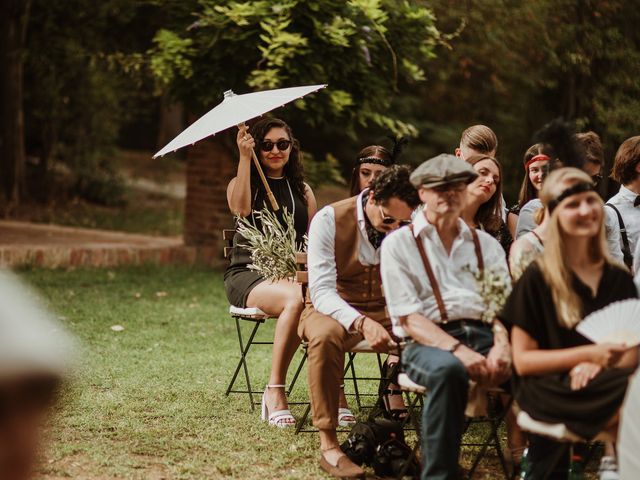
(279, 155)
(563, 377)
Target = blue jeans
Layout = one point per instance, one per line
(447, 384)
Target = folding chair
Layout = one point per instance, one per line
(557, 432)
(494, 417)
(254, 317)
(361, 347)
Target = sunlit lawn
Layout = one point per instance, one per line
(148, 401)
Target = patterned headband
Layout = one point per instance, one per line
(577, 188)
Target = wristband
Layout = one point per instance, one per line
(358, 323)
(454, 347)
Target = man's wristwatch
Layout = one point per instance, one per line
(454, 347)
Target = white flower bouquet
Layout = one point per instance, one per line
(494, 287)
(273, 247)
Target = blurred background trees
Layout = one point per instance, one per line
(91, 79)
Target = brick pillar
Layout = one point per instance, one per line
(210, 166)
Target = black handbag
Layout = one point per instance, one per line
(380, 443)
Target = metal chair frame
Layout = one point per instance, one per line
(257, 319)
(353, 378)
(495, 417)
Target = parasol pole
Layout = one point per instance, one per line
(256, 162)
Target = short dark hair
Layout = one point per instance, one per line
(593, 149)
(394, 182)
(627, 158)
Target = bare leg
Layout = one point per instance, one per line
(284, 299)
(330, 446)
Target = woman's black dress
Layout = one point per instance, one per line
(549, 398)
(239, 280)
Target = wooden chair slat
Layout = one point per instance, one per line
(301, 258)
(227, 251)
(228, 234)
(302, 277)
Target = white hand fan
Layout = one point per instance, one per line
(618, 322)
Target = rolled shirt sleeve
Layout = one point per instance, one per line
(321, 263)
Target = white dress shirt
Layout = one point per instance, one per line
(623, 201)
(406, 285)
(636, 266)
(321, 263)
(526, 223)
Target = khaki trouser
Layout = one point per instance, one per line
(328, 342)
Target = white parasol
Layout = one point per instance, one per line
(234, 111)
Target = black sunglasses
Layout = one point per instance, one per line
(388, 220)
(267, 145)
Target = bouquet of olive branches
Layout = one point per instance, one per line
(273, 247)
(494, 288)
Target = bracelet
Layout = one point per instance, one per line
(358, 323)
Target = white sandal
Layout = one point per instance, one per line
(346, 418)
(279, 418)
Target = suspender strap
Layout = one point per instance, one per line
(476, 246)
(626, 248)
(432, 278)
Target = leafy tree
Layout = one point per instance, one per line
(362, 48)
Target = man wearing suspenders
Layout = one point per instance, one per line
(432, 297)
(626, 203)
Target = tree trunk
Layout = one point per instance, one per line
(171, 120)
(14, 16)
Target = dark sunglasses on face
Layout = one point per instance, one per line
(388, 220)
(267, 145)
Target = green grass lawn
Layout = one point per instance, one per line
(148, 402)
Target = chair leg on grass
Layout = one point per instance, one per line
(242, 363)
(297, 373)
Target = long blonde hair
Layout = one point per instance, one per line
(553, 261)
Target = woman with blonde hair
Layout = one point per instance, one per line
(563, 377)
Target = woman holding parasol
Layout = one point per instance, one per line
(279, 154)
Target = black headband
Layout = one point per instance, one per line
(577, 188)
(375, 160)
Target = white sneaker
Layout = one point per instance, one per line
(608, 469)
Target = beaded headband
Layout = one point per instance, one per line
(577, 188)
(376, 161)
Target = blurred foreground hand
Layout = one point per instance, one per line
(35, 359)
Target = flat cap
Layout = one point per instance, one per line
(441, 170)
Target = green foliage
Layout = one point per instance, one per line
(323, 172)
(273, 244)
(75, 102)
(361, 48)
(169, 57)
